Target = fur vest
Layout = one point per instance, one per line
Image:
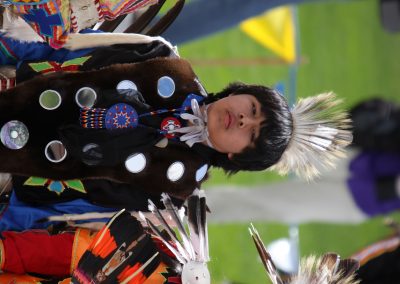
(176, 169)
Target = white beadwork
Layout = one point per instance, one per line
(201, 172)
(127, 85)
(165, 87)
(135, 163)
(175, 171)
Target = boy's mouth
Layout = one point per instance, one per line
(228, 120)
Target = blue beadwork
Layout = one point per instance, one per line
(121, 116)
(45, 21)
(187, 103)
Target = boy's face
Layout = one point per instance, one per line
(234, 123)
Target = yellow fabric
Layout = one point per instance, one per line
(275, 30)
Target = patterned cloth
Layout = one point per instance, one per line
(15, 52)
(110, 9)
(20, 216)
(53, 20)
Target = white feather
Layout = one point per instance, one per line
(321, 131)
(17, 28)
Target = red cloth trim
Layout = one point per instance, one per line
(175, 279)
(7, 83)
(38, 252)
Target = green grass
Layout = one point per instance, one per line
(344, 49)
(234, 257)
(348, 51)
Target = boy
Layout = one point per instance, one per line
(178, 130)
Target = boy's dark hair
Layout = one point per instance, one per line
(275, 131)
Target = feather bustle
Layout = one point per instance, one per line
(178, 223)
(196, 238)
(168, 229)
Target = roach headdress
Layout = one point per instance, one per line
(320, 133)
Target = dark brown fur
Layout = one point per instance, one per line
(21, 103)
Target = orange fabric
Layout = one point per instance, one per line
(156, 277)
(82, 240)
(108, 243)
(65, 281)
(129, 270)
(2, 255)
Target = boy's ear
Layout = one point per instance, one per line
(230, 156)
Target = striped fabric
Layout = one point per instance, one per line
(7, 83)
(110, 9)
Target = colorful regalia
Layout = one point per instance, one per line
(53, 20)
(121, 252)
(162, 87)
(74, 253)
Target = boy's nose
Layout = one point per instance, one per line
(244, 120)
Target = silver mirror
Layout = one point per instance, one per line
(14, 134)
(85, 97)
(50, 99)
(55, 151)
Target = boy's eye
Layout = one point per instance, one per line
(253, 135)
(254, 109)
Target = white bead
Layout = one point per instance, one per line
(14, 134)
(127, 85)
(201, 172)
(135, 163)
(175, 171)
(165, 87)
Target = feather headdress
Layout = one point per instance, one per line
(329, 269)
(192, 252)
(320, 133)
